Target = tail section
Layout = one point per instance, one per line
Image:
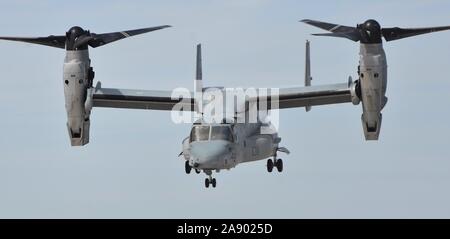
(198, 78)
(198, 84)
(308, 77)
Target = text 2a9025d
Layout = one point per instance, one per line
(246, 228)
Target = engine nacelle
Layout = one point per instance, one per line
(78, 105)
(372, 87)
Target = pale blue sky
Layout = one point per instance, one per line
(131, 170)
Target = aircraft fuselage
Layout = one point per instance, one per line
(246, 144)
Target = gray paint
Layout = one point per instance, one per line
(76, 84)
(251, 142)
(373, 80)
(130, 169)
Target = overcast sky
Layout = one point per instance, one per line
(130, 169)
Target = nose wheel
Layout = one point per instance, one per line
(187, 167)
(210, 181)
(271, 164)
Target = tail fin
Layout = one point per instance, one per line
(198, 78)
(308, 77)
(198, 84)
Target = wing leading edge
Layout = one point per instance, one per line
(141, 99)
(306, 96)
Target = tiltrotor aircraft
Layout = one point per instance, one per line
(214, 146)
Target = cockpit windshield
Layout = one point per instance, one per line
(199, 133)
(219, 132)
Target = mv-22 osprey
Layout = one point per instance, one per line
(213, 146)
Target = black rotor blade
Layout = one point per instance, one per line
(53, 41)
(395, 33)
(105, 38)
(354, 36)
(335, 28)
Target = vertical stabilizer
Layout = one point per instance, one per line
(198, 76)
(308, 77)
(198, 84)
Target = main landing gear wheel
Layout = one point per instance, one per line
(211, 181)
(187, 167)
(279, 165)
(197, 171)
(269, 165)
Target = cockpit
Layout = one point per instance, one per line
(211, 132)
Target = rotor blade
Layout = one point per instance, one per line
(329, 26)
(349, 35)
(53, 41)
(396, 33)
(105, 38)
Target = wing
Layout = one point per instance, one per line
(304, 96)
(143, 99)
(282, 98)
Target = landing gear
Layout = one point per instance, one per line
(269, 165)
(278, 163)
(187, 167)
(209, 181)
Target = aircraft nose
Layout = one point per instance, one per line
(207, 154)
